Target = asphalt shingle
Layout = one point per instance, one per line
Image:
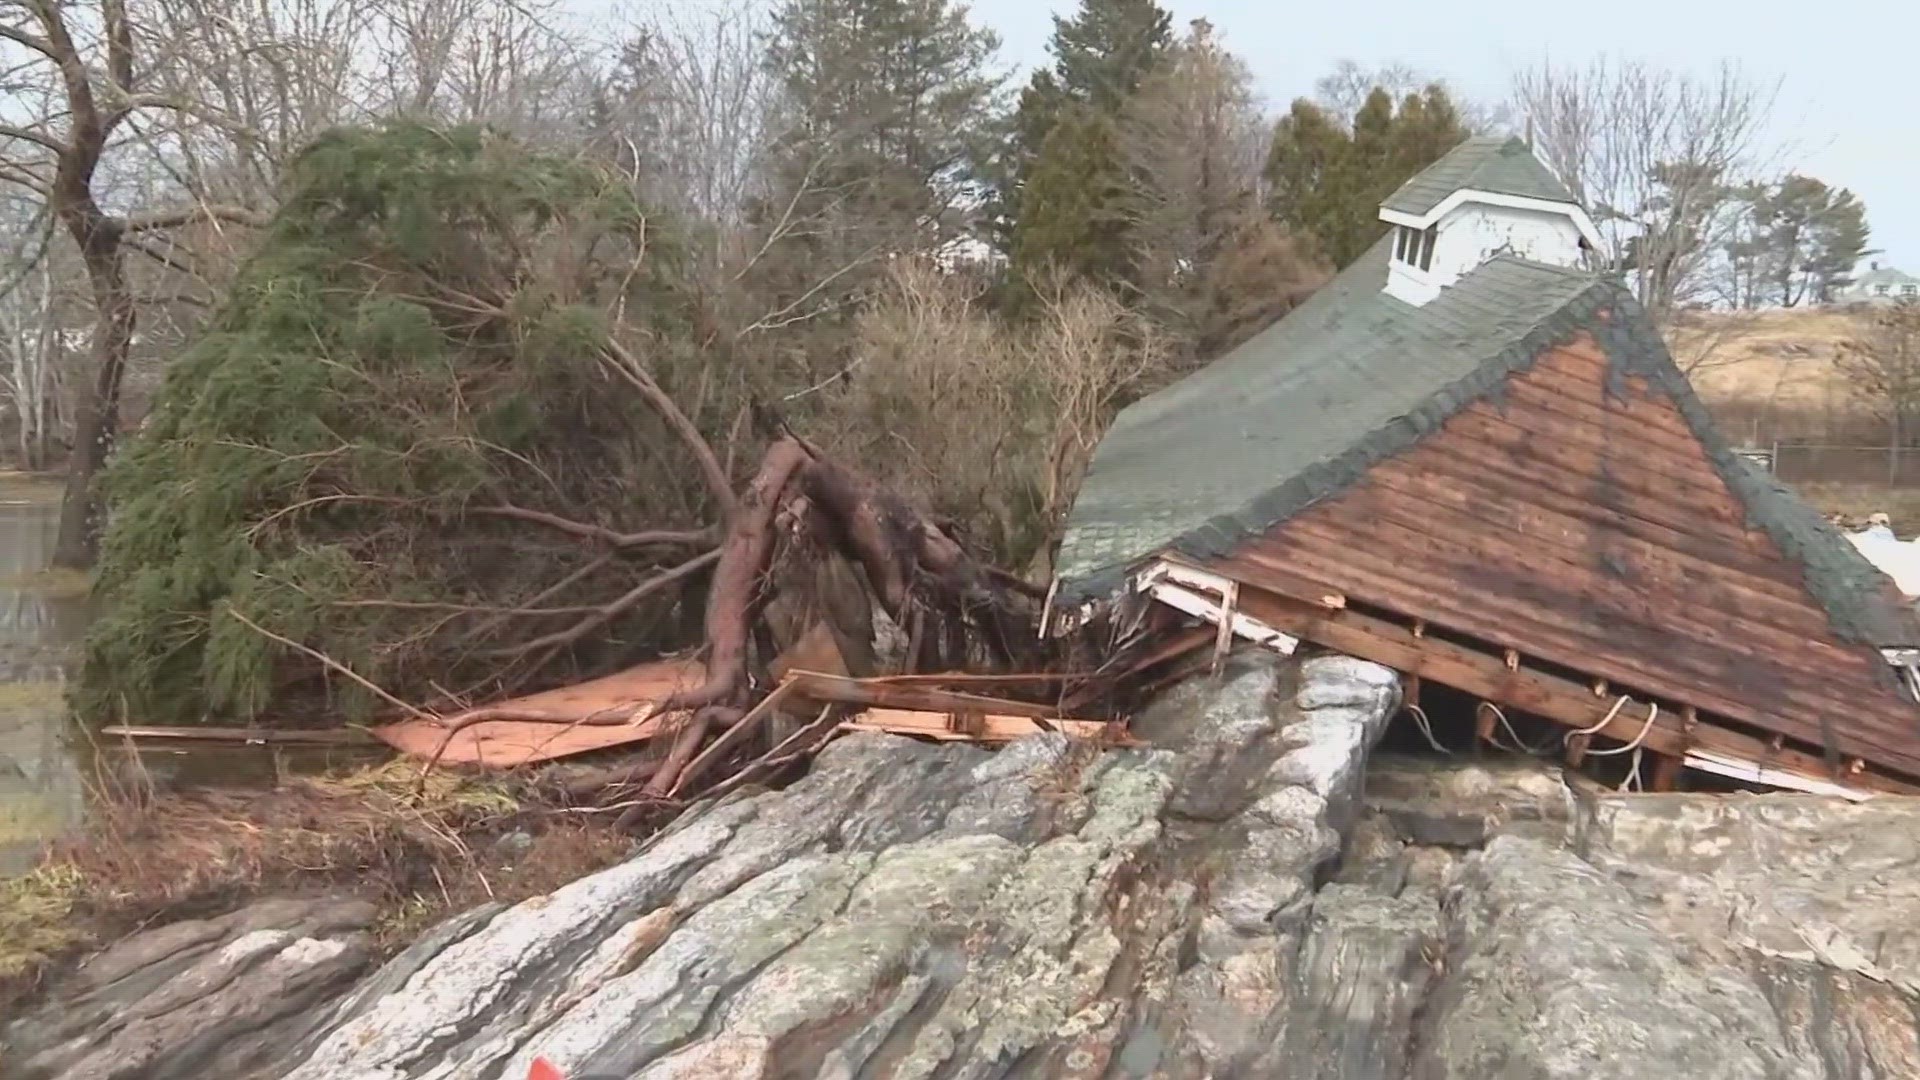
(1354, 376)
(1502, 165)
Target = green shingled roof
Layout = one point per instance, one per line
(1355, 376)
(1502, 165)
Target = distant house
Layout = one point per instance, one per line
(1469, 459)
(1880, 285)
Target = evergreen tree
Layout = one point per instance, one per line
(891, 103)
(1101, 54)
(1074, 208)
(1327, 178)
(1809, 237)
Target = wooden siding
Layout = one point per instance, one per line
(1591, 530)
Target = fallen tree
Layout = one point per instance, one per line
(436, 448)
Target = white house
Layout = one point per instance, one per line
(1488, 196)
(1880, 285)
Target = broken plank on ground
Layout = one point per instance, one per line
(982, 727)
(612, 711)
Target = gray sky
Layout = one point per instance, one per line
(1848, 111)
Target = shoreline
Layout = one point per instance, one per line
(418, 850)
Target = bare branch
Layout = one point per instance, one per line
(654, 537)
(39, 138)
(32, 41)
(169, 219)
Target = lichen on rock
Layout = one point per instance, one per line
(1248, 896)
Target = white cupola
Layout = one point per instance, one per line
(1488, 196)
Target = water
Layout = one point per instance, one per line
(41, 788)
(50, 767)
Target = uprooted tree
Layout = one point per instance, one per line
(446, 439)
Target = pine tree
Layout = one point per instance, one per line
(1810, 237)
(1101, 54)
(892, 104)
(1073, 209)
(1328, 178)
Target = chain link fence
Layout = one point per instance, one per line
(1802, 462)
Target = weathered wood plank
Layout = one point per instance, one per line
(349, 736)
(1629, 468)
(1550, 697)
(1752, 690)
(1745, 618)
(1531, 613)
(1597, 602)
(1456, 469)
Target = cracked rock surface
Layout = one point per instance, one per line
(1248, 897)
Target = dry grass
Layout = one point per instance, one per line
(419, 851)
(38, 922)
(1765, 357)
(53, 583)
(17, 486)
(1854, 502)
(37, 697)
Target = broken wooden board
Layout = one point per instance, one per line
(559, 723)
(983, 727)
(347, 736)
(1551, 697)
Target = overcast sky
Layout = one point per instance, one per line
(1848, 111)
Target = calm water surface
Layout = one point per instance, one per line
(41, 787)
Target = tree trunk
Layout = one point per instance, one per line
(98, 417)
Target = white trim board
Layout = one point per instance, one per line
(1183, 588)
(1493, 198)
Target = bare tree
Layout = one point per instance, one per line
(95, 63)
(693, 107)
(1656, 156)
(1089, 353)
(512, 65)
(31, 341)
(1882, 366)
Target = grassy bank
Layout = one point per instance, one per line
(418, 850)
(1855, 502)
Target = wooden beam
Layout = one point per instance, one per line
(1561, 700)
(822, 687)
(731, 737)
(982, 727)
(1666, 772)
(345, 736)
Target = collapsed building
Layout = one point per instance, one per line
(1473, 460)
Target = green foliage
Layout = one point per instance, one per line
(1329, 174)
(1102, 53)
(894, 103)
(1798, 243)
(414, 337)
(1074, 208)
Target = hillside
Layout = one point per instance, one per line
(1783, 359)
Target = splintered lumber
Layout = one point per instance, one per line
(730, 738)
(612, 711)
(822, 687)
(1563, 701)
(248, 736)
(982, 727)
